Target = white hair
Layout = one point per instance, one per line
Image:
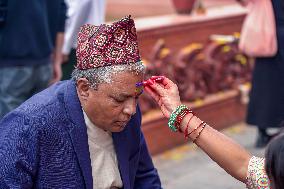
(104, 74)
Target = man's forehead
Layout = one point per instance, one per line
(123, 84)
(126, 79)
(125, 89)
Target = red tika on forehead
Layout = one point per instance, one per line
(107, 45)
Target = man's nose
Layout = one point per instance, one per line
(130, 107)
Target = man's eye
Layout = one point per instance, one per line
(119, 100)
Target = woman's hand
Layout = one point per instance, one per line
(165, 93)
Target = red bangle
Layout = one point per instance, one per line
(182, 114)
(180, 118)
(194, 129)
(204, 125)
(187, 125)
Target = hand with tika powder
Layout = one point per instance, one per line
(235, 160)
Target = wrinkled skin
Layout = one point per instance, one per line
(111, 106)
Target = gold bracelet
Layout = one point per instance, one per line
(204, 125)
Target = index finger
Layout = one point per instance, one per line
(167, 83)
(158, 78)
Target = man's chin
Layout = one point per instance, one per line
(118, 128)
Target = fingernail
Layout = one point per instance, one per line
(159, 79)
(145, 83)
(154, 77)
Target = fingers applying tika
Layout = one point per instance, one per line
(152, 93)
(155, 86)
(164, 81)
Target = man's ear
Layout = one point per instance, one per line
(83, 88)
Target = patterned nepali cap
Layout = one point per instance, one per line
(107, 45)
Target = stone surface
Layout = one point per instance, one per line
(188, 167)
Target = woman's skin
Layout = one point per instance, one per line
(225, 152)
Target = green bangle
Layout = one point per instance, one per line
(173, 116)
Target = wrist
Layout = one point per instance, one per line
(174, 107)
(172, 122)
(191, 125)
(184, 120)
(58, 61)
(190, 121)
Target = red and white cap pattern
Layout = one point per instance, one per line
(107, 45)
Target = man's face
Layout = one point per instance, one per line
(111, 106)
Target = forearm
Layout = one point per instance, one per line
(224, 151)
(58, 48)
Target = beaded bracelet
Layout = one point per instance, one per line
(188, 134)
(180, 117)
(183, 113)
(204, 125)
(174, 115)
(196, 127)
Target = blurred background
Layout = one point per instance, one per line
(195, 43)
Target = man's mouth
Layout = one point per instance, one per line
(121, 123)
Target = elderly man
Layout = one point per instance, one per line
(84, 132)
